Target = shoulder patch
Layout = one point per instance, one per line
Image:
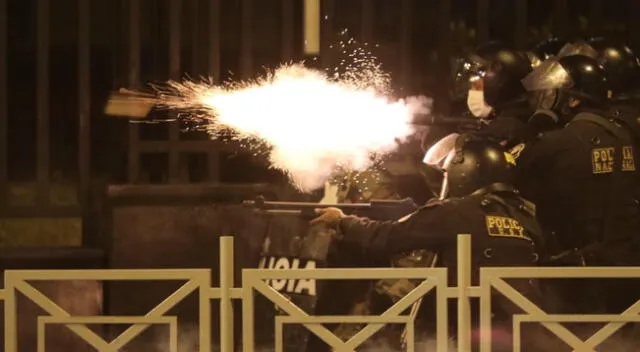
(502, 226)
(510, 159)
(515, 151)
(628, 159)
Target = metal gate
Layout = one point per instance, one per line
(199, 280)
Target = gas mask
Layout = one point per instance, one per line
(552, 109)
(477, 105)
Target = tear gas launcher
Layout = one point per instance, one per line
(377, 209)
(462, 124)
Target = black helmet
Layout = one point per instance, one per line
(558, 79)
(501, 69)
(470, 164)
(548, 48)
(619, 63)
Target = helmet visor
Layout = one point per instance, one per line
(580, 48)
(549, 75)
(437, 155)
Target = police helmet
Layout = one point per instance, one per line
(548, 48)
(619, 63)
(574, 76)
(470, 164)
(500, 68)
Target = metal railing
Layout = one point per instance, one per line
(199, 280)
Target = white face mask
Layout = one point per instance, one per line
(477, 105)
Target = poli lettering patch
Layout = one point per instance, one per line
(501, 226)
(602, 160)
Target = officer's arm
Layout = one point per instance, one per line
(424, 229)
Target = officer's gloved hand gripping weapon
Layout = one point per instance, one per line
(376, 209)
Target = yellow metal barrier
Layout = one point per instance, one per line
(435, 279)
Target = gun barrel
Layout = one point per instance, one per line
(262, 204)
(302, 205)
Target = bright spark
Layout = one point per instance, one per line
(309, 123)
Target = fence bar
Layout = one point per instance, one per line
(328, 8)
(367, 21)
(213, 59)
(464, 282)
(482, 20)
(312, 27)
(4, 162)
(246, 52)
(248, 321)
(175, 14)
(84, 99)
(42, 105)
(485, 312)
(405, 43)
(288, 15)
(10, 315)
(133, 82)
(521, 20)
(226, 284)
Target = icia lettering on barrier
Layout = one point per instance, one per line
(290, 286)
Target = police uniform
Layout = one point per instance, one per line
(502, 232)
(502, 225)
(378, 183)
(571, 175)
(580, 179)
(628, 113)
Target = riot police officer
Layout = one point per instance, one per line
(623, 71)
(579, 176)
(477, 198)
(490, 78)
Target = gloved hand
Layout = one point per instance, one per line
(330, 216)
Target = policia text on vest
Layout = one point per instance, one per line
(603, 159)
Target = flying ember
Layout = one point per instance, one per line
(308, 123)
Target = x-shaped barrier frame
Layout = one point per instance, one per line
(253, 279)
(494, 278)
(18, 281)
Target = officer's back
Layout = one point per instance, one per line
(501, 226)
(569, 176)
(579, 176)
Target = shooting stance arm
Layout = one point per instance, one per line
(424, 229)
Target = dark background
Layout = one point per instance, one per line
(122, 47)
(152, 196)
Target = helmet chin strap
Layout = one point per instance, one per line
(444, 190)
